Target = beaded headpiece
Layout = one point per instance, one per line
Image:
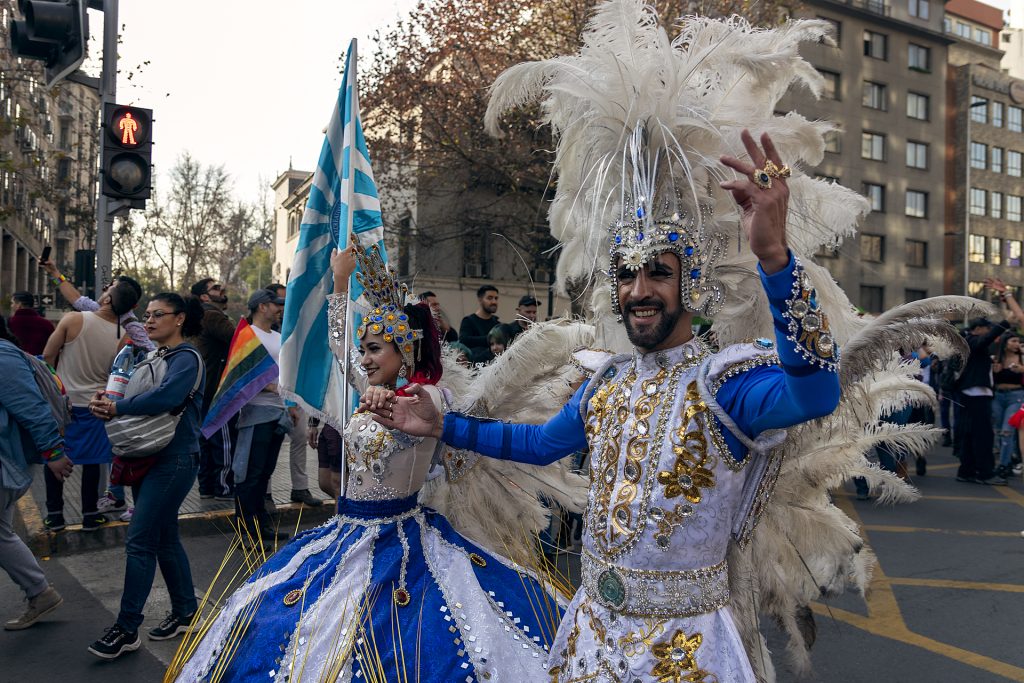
(386, 296)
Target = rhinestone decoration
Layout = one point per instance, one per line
(401, 597)
(477, 560)
(292, 597)
(807, 324)
(386, 295)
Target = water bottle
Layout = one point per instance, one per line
(120, 372)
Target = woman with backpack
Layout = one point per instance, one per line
(160, 481)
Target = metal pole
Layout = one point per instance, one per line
(346, 339)
(108, 93)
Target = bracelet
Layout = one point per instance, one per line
(54, 453)
(59, 279)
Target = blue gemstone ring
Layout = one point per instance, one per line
(761, 179)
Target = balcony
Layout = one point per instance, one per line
(874, 6)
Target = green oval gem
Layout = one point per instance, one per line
(612, 588)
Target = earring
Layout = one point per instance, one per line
(402, 372)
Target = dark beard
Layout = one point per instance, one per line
(651, 338)
(219, 300)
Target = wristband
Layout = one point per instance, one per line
(54, 453)
(59, 279)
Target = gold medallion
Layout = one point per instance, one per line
(292, 597)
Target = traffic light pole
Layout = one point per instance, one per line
(108, 93)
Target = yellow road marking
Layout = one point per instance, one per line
(1013, 495)
(947, 466)
(958, 532)
(958, 585)
(885, 619)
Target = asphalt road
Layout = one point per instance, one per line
(946, 604)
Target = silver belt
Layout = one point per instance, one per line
(649, 592)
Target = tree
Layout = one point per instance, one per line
(424, 98)
(186, 228)
(255, 270)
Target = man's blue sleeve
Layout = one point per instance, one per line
(799, 389)
(20, 397)
(533, 444)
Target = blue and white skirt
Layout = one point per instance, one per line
(385, 591)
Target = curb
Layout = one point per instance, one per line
(71, 540)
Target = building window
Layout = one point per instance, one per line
(1013, 163)
(475, 260)
(979, 109)
(917, 253)
(1013, 250)
(876, 195)
(917, 154)
(983, 36)
(976, 249)
(995, 250)
(917, 106)
(914, 294)
(918, 57)
(979, 155)
(293, 224)
(963, 30)
(1013, 208)
(837, 29)
(997, 114)
(830, 88)
(918, 8)
(995, 204)
(1014, 119)
(872, 247)
(916, 204)
(874, 96)
(996, 160)
(832, 142)
(977, 201)
(872, 298)
(876, 45)
(872, 146)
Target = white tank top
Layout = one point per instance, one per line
(85, 361)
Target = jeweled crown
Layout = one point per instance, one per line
(386, 297)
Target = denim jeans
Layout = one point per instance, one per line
(1004, 405)
(153, 540)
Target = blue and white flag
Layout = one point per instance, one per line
(342, 200)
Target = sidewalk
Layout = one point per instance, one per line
(197, 516)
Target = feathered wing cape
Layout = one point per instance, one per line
(497, 503)
(691, 96)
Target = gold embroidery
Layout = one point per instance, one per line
(676, 662)
(636, 453)
(636, 643)
(690, 473)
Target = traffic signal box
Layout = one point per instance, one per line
(127, 151)
(54, 31)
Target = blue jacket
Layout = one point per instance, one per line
(27, 427)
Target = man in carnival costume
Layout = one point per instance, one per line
(657, 173)
(681, 439)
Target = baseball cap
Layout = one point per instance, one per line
(263, 296)
(528, 300)
(979, 322)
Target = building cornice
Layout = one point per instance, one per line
(882, 20)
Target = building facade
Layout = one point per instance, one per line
(48, 169)
(885, 89)
(453, 267)
(984, 230)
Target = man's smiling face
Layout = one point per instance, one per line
(651, 305)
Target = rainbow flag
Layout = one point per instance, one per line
(249, 369)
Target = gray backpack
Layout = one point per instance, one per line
(52, 390)
(136, 436)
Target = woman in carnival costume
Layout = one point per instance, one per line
(387, 590)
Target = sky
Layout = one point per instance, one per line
(246, 84)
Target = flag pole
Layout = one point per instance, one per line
(346, 337)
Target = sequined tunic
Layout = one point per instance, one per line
(665, 498)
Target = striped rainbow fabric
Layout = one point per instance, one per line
(342, 200)
(249, 369)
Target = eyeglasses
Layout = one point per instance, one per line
(156, 315)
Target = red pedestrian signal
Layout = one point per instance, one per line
(127, 149)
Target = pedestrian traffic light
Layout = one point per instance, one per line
(54, 31)
(127, 151)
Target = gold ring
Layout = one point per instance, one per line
(391, 414)
(775, 172)
(761, 178)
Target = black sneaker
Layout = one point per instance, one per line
(170, 627)
(205, 496)
(54, 522)
(305, 497)
(93, 522)
(968, 480)
(115, 642)
(994, 480)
